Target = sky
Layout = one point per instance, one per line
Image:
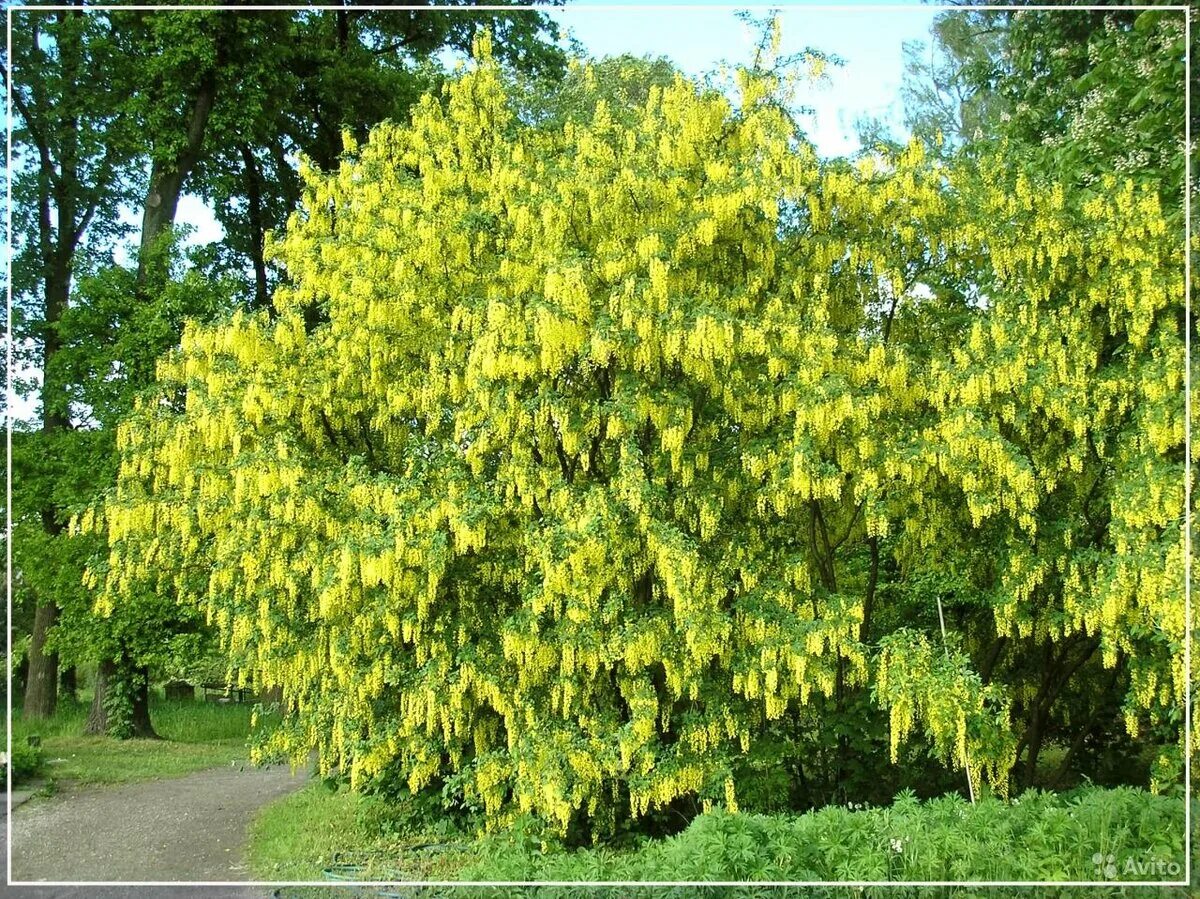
(699, 37)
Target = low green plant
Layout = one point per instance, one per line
(27, 760)
(1037, 836)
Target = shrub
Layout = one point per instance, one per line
(1037, 836)
(26, 760)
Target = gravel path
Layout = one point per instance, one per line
(185, 828)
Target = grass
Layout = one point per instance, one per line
(304, 834)
(296, 837)
(195, 735)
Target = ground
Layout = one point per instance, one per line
(180, 829)
(304, 834)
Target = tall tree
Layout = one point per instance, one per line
(320, 74)
(188, 60)
(74, 144)
(198, 89)
(1080, 96)
(1079, 92)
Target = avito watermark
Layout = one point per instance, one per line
(1146, 868)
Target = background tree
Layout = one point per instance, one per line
(1080, 93)
(74, 146)
(185, 95)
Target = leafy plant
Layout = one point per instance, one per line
(27, 760)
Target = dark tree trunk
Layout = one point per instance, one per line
(343, 30)
(1057, 672)
(41, 688)
(142, 728)
(167, 177)
(20, 675)
(258, 228)
(98, 720)
(57, 196)
(993, 656)
(864, 629)
(68, 683)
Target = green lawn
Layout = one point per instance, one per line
(195, 735)
(315, 832)
(296, 837)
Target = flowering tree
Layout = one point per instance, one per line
(582, 453)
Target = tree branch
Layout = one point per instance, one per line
(39, 139)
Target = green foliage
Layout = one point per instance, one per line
(213, 102)
(26, 761)
(941, 103)
(1036, 836)
(1095, 93)
(916, 681)
(75, 150)
(119, 699)
(1076, 93)
(620, 443)
(109, 343)
(114, 333)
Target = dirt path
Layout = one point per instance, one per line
(185, 828)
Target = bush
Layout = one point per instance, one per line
(1035, 837)
(27, 760)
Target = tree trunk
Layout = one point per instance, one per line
(254, 209)
(68, 683)
(20, 675)
(142, 728)
(41, 688)
(97, 721)
(864, 629)
(167, 177)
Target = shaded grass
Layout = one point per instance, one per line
(196, 735)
